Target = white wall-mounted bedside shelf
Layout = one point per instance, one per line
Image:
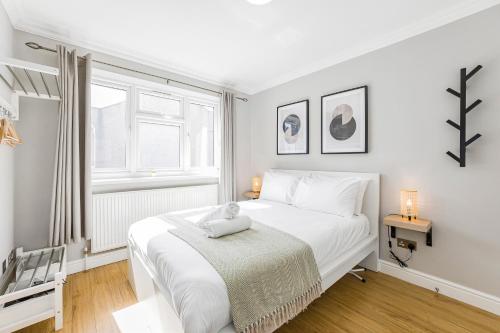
(421, 225)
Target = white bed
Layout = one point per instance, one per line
(188, 295)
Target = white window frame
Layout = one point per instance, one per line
(104, 172)
(217, 133)
(145, 90)
(135, 86)
(182, 136)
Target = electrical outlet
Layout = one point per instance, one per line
(404, 243)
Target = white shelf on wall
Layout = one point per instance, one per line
(27, 79)
(31, 66)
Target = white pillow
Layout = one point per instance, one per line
(333, 195)
(278, 186)
(361, 194)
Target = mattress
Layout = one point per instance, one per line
(197, 292)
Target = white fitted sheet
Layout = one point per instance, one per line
(197, 292)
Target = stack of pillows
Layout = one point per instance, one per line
(224, 220)
(342, 196)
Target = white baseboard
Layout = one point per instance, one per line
(96, 260)
(464, 294)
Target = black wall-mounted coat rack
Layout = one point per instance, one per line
(464, 109)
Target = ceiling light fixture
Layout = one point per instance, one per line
(259, 2)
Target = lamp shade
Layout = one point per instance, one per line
(409, 203)
(256, 184)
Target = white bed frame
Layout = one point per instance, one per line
(155, 313)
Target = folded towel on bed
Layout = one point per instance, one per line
(222, 227)
(226, 211)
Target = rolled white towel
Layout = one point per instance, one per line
(226, 211)
(222, 227)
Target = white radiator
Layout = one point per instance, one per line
(113, 213)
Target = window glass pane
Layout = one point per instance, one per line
(161, 105)
(159, 146)
(109, 127)
(201, 135)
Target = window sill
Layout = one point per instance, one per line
(142, 183)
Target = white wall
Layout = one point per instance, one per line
(408, 139)
(34, 161)
(6, 155)
(33, 186)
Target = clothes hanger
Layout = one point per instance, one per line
(9, 134)
(12, 134)
(2, 130)
(4, 137)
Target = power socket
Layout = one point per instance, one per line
(405, 244)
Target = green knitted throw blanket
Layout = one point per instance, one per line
(270, 275)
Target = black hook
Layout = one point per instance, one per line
(464, 109)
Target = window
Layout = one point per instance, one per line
(109, 127)
(159, 146)
(201, 135)
(157, 104)
(140, 129)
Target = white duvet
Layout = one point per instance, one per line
(197, 292)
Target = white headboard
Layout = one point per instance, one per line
(371, 201)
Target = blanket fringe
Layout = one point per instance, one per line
(284, 313)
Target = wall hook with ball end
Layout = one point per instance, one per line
(464, 109)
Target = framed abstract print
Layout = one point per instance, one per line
(293, 128)
(344, 122)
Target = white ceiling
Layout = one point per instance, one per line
(231, 42)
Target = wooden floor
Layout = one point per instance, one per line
(383, 304)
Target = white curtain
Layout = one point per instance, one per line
(227, 187)
(71, 190)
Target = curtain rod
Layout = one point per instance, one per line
(37, 46)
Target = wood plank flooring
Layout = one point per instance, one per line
(383, 304)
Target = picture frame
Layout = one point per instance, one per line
(344, 122)
(292, 128)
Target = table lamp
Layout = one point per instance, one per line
(408, 203)
(256, 184)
